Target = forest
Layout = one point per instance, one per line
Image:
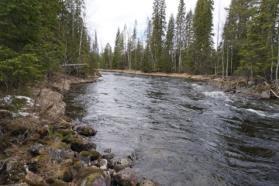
(248, 46)
(37, 37)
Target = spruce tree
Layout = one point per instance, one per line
(180, 33)
(202, 26)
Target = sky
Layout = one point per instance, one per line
(106, 16)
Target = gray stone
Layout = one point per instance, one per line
(122, 164)
(146, 182)
(126, 177)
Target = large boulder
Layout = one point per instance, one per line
(86, 131)
(91, 155)
(51, 104)
(93, 177)
(125, 177)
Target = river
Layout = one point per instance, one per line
(182, 132)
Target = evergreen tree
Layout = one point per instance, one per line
(202, 26)
(169, 47)
(158, 31)
(180, 33)
(118, 55)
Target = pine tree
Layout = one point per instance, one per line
(169, 47)
(158, 31)
(202, 26)
(180, 32)
(118, 55)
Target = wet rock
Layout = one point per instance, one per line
(5, 114)
(146, 182)
(107, 151)
(103, 164)
(125, 177)
(86, 131)
(36, 149)
(34, 179)
(108, 156)
(122, 164)
(92, 155)
(80, 146)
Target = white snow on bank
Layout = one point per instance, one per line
(8, 99)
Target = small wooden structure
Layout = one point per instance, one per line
(75, 69)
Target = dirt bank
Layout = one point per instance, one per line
(42, 146)
(239, 85)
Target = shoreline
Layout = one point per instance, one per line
(234, 85)
(43, 146)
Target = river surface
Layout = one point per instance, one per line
(182, 132)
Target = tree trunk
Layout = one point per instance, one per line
(227, 65)
(277, 66)
(80, 44)
(223, 61)
(231, 60)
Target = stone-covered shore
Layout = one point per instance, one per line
(40, 145)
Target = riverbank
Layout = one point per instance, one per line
(239, 85)
(40, 145)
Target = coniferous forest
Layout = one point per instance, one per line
(37, 37)
(248, 46)
(179, 103)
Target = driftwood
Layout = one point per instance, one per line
(274, 93)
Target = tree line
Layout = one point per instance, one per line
(37, 37)
(249, 45)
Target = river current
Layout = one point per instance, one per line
(182, 132)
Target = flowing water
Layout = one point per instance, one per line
(182, 132)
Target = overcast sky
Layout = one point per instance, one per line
(106, 16)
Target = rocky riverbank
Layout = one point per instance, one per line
(41, 146)
(257, 89)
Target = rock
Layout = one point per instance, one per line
(146, 182)
(56, 182)
(125, 177)
(107, 151)
(34, 179)
(15, 170)
(59, 155)
(93, 177)
(5, 114)
(33, 167)
(103, 164)
(51, 104)
(92, 155)
(36, 149)
(108, 156)
(68, 175)
(86, 131)
(265, 95)
(122, 164)
(80, 146)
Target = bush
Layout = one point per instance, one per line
(20, 70)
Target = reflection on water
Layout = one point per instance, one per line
(183, 132)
